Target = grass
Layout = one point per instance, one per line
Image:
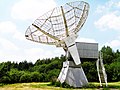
(111, 85)
(47, 86)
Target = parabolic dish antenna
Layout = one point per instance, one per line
(59, 27)
(59, 23)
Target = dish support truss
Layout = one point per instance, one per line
(72, 72)
(74, 75)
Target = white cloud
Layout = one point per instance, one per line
(107, 7)
(109, 16)
(10, 57)
(109, 21)
(19, 36)
(100, 9)
(119, 37)
(118, 4)
(89, 40)
(113, 43)
(7, 45)
(31, 9)
(1, 53)
(7, 27)
(34, 51)
(9, 52)
(40, 53)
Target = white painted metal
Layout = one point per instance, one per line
(101, 71)
(97, 63)
(76, 77)
(64, 71)
(72, 49)
(73, 75)
(54, 26)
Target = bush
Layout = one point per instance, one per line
(53, 74)
(15, 75)
(35, 76)
(26, 77)
(5, 79)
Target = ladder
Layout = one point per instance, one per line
(101, 70)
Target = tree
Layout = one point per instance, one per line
(90, 70)
(26, 77)
(108, 55)
(15, 75)
(115, 68)
(4, 67)
(53, 74)
(5, 79)
(35, 76)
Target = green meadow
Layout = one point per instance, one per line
(48, 86)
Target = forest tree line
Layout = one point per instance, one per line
(46, 70)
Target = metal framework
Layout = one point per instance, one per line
(57, 24)
(101, 70)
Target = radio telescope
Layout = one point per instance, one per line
(59, 27)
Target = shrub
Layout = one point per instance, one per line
(5, 79)
(26, 77)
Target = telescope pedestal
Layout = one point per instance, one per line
(72, 74)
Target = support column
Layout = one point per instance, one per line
(72, 74)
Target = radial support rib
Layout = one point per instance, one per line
(66, 27)
(53, 37)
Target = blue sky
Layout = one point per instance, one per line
(102, 26)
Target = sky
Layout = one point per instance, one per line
(102, 26)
